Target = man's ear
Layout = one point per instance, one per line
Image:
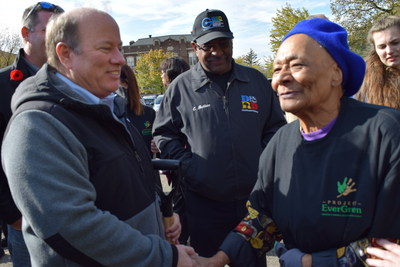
(337, 77)
(25, 33)
(194, 46)
(64, 53)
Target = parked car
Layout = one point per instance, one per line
(149, 100)
(157, 102)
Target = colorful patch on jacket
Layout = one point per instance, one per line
(249, 103)
(147, 130)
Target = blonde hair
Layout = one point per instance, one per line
(381, 84)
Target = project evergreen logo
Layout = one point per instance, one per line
(340, 207)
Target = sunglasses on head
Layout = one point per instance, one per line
(45, 6)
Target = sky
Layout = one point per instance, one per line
(250, 21)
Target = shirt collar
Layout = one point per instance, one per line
(88, 96)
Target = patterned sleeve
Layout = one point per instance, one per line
(252, 237)
(258, 229)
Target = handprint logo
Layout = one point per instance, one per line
(346, 187)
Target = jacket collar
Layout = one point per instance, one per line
(21, 64)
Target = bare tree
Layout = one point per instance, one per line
(10, 42)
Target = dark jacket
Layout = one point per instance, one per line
(143, 123)
(327, 193)
(218, 136)
(81, 177)
(8, 211)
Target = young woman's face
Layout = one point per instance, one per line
(164, 78)
(387, 46)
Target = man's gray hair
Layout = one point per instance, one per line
(65, 29)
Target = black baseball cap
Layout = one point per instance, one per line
(209, 25)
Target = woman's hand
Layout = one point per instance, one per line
(388, 255)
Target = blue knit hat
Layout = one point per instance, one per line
(334, 39)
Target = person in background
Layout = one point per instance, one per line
(328, 183)
(216, 118)
(78, 170)
(141, 116)
(382, 87)
(27, 62)
(382, 78)
(171, 68)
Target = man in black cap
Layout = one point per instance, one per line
(216, 118)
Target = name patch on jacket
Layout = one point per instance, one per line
(201, 107)
(249, 103)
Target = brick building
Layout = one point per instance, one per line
(177, 44)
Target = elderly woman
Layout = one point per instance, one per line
(329, 181)
(382, 79)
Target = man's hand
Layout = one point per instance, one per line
(220, 259)
(388, 255)
(174, 231)
(186, 256)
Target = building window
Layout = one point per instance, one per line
(130, 61)
(192, 58)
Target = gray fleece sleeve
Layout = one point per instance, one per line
(48, 173)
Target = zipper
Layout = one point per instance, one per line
(225, 100)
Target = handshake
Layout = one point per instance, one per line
(189, 258)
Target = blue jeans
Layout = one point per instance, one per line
(18, 250)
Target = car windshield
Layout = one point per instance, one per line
(149, 99)
(158, 99)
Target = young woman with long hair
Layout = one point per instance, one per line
(381, 84)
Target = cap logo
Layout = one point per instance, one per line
(213, 22)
